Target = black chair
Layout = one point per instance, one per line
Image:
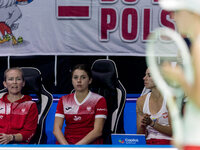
(43, 100)
(106, 83)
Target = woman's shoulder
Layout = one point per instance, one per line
(141, 99)
(96, 95)
(67, 96)
(27, 101)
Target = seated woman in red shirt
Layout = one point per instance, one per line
(18, 113)
(84, 112)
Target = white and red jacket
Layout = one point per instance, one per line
(20, 116)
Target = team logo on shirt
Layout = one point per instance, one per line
(165, 115)
(1, 116)
(77, 118)
(89, 108)
(23, 110)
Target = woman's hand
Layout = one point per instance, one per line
(5, 138)
(146, 120)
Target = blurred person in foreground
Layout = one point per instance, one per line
(186, 14)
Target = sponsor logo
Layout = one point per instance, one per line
(77, 118)
(23, 110)
(68, 108)
(128, 141)
(121, 141)
(131, 141)
(101, 109)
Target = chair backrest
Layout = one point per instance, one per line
(43, 99)
(106, 83)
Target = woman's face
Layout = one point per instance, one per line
(80, 80)
(148, 81)
(14, 82)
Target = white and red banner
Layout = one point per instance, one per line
(78, 27)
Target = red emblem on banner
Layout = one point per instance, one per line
(78, 9)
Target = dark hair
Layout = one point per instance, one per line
(83, 67)
(14, 68)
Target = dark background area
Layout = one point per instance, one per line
(131, 70)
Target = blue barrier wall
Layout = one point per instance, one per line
(130, 117)
(129, 120)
